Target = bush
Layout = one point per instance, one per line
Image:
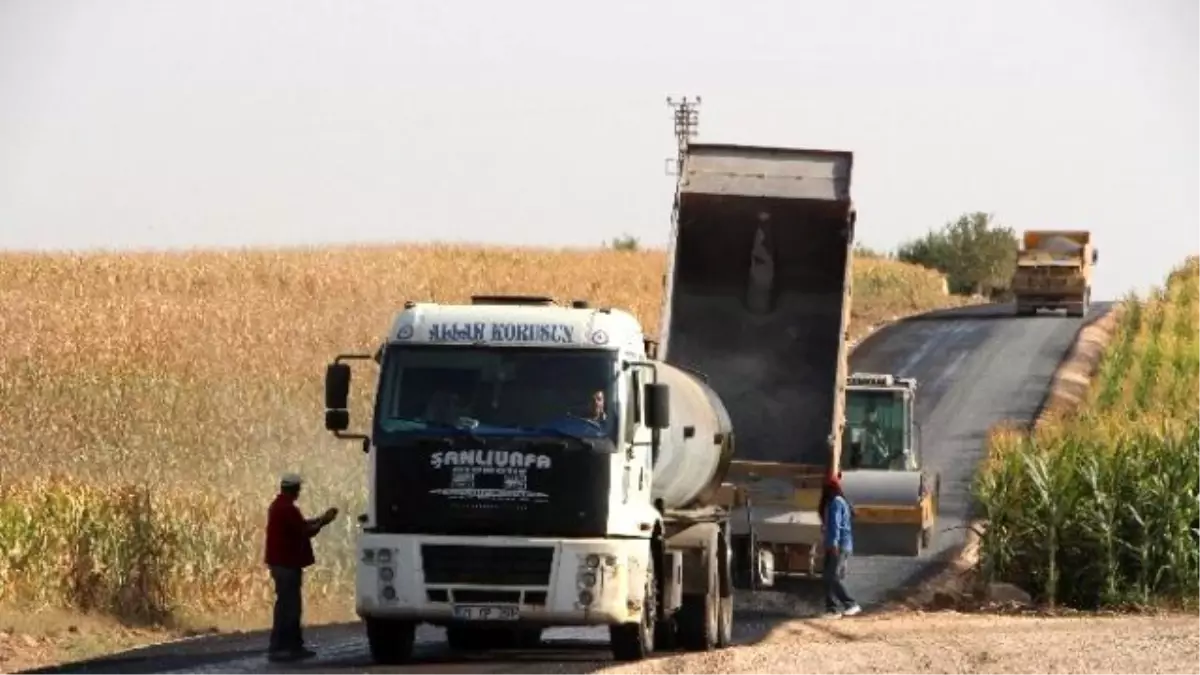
(977, 256)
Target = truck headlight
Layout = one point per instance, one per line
(368, 556)
(389, 593)
(588, 579)
(592, 561)
(386, 574)
(385, 555)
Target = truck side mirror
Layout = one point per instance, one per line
(337, 393)
(658, 405)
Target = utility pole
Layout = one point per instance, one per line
(687, 122)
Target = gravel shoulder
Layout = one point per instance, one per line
(950, 642)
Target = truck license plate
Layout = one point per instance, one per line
(487, 612)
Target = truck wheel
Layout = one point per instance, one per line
(725, 622)
(699, 614)
(725, 609)
(390, 641)
(635, 641)
(743, 562)
(765, 568)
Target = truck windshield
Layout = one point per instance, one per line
(875, 430)
(497, 391)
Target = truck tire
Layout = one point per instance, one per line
(743, 562)
(725, 610)
(725, 623)
(699, 615)
(390, 641)
(635, 641)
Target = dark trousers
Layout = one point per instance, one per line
(285, 630)
(833, 572)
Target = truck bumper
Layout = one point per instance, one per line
(1049, 301)
(521, 581)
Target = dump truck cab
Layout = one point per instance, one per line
(881, 466)
(1054, 271)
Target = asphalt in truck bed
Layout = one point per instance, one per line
(975, 366)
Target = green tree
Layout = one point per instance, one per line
(626, 242)
(976, 254)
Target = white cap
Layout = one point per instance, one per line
(290, 480)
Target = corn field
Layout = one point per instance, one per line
(148, 403)
(1097, 508)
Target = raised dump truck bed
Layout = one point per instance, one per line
(757, 300)
(757, 296)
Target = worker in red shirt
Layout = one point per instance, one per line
(289, 551)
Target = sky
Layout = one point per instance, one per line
(199, 123)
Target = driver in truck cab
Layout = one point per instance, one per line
(597, 413)
(444, 408)
(592, 416)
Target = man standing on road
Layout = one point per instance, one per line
(289, 551)
(839, 543)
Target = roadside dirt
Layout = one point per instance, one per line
(950, 642)
(36, 638)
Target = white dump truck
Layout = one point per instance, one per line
(530, 466)
(757, 300)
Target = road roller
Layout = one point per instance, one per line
(894, 497)
(530, 465)
(757, 302)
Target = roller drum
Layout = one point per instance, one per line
(691, 466)
(891, 490)
(882, 488)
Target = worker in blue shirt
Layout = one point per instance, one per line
(839, 544)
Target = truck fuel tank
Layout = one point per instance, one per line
(697, 447)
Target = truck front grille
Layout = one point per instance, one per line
(487, 565)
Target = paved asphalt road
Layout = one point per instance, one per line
(975, 366)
